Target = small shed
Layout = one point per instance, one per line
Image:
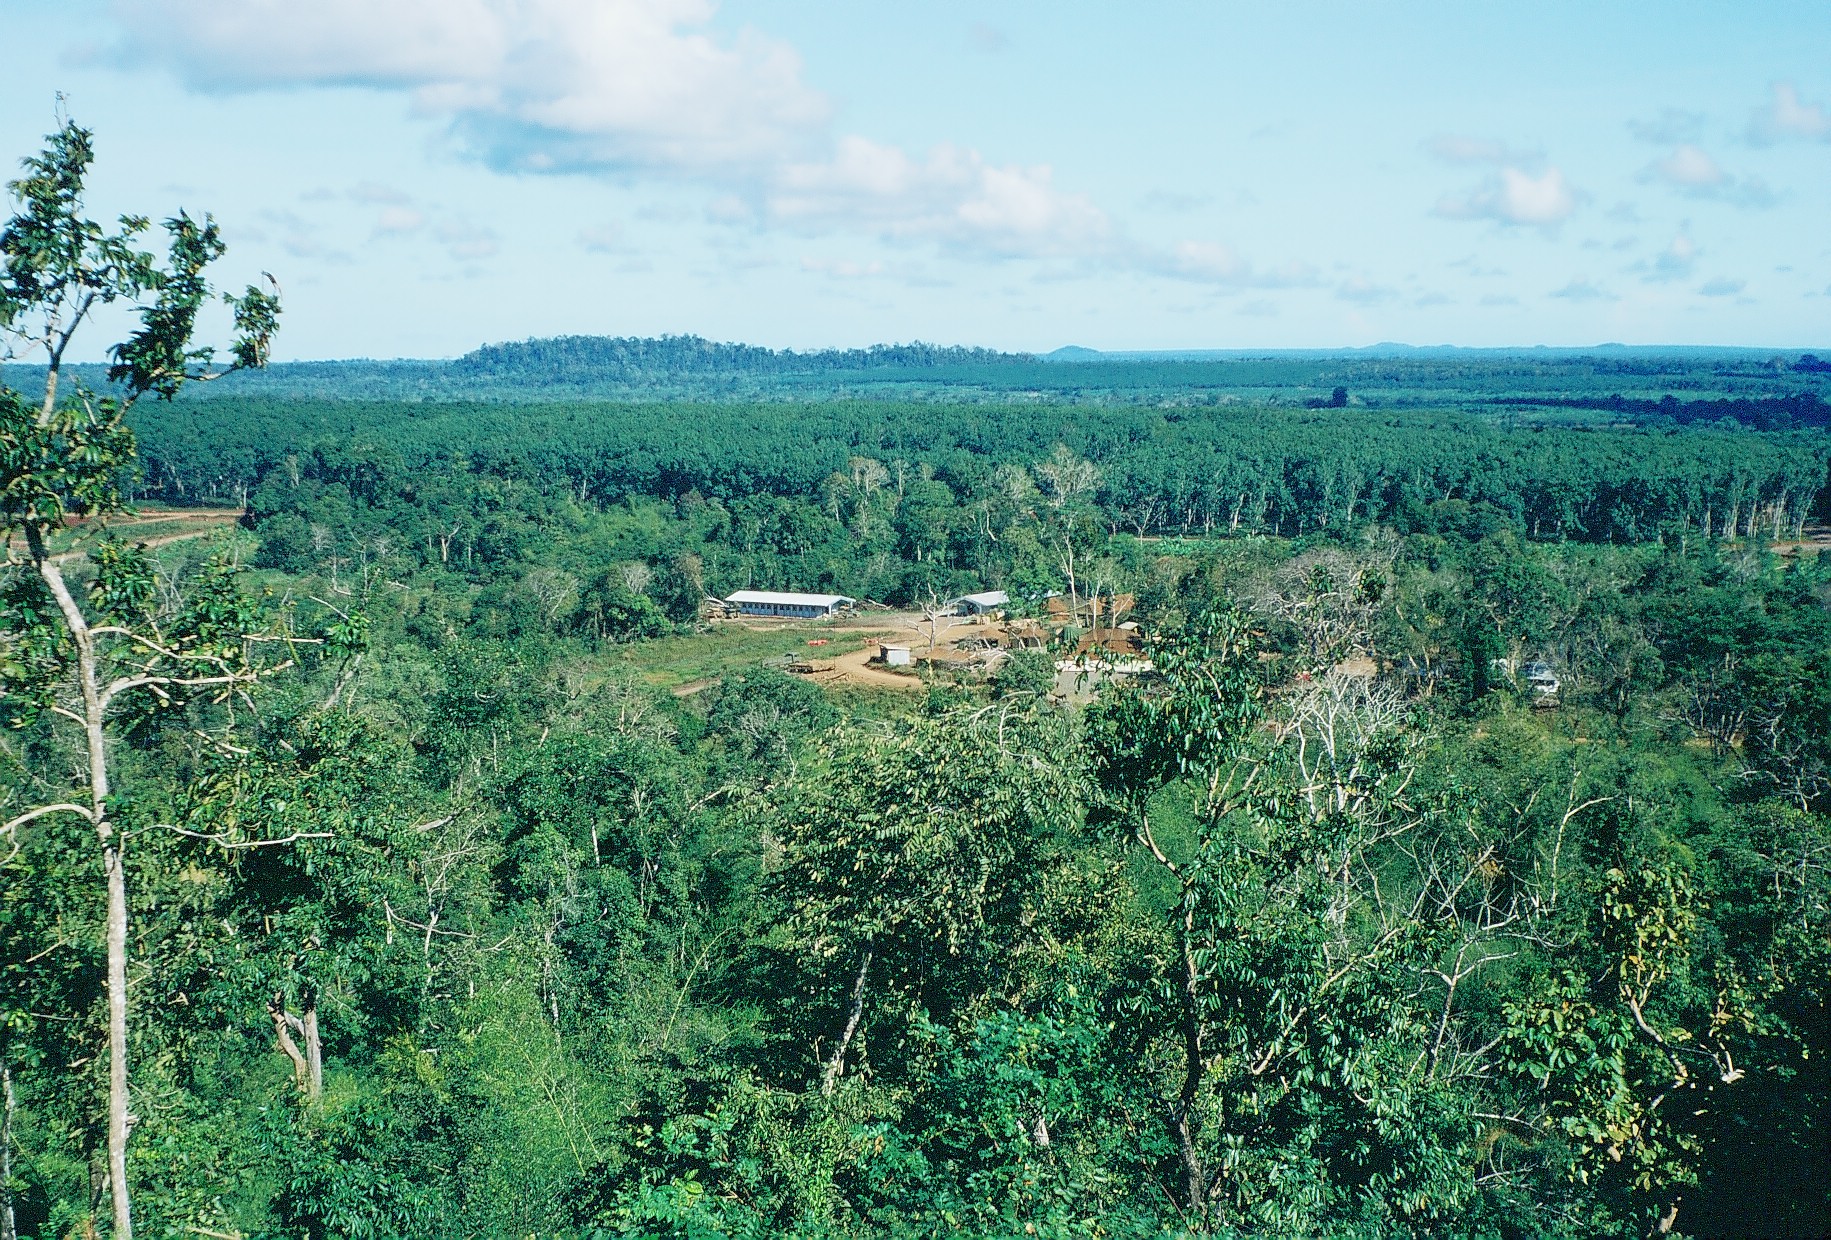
(896, 656)
(787, 603)
(981, 603)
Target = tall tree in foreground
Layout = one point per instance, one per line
(107, 653)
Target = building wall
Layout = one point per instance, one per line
(794, 610)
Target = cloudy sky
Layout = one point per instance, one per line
(427, 175)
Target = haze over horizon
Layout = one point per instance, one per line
(424, 177)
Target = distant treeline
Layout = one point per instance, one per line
(633, 359)
(1797, 411)
(1177, 470)
(682, 368)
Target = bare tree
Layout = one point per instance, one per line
(1066, 478)
(934, 610)
(637, 576)
(554, 591)
(1331, 597)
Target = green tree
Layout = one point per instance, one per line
(1187, 726)
(913, 862)
(105, 662)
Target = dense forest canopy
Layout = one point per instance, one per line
(1157, 471)
(1379, 813)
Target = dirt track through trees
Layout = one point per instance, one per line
(190, 522)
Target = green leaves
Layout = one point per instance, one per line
(124, 583)
(1187, 720)
(160, 358)
(56, 268)
(67, 464)
(55, 263)
(928, 845)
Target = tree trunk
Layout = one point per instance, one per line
(305, 1070)
(1181, 1128)
(9, 1230)
(120, 1118)
(314, 1050)
(830, 1074)
(282, 1034)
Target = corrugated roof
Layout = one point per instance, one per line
(786, 599)
(988, 598)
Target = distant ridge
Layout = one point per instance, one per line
(690, 367)
(629, 358)
(1393, 349)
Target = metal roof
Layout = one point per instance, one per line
(782, 598)
(988, 598)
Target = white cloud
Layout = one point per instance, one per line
(1583, 290)
(1691, 171)
(1516, 197)
(396, 220)
(1209, 261)
(1676, 260)
(988, 38)
(953, 196)
(619, 85)
(466, 241)
(373, 191)
(1458, 148)
(1173, 200)
(1364, 292)
(529, 84)
(1788, 116)
(1690, 168)
(1672, 125)
(300, 237)
(842, 268)
(605, 239)
(1213, 262)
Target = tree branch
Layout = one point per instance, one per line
(42, 810)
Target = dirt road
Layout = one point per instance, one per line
(858, 669)
(1817, 540)
(188, 523)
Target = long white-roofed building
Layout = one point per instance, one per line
(787, 603)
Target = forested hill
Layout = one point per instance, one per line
(1770, 390)
(599, 367)
(634, 359)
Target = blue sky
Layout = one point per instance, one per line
(427, 175)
